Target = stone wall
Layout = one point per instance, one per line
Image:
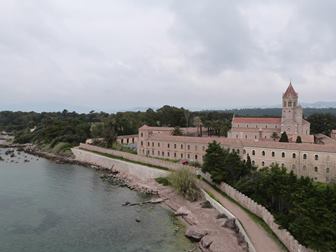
(136, 158)
(139, 171)
(283, 235)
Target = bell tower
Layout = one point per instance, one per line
(292, 114)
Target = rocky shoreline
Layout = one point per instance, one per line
(210, 231)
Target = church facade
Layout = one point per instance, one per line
(270, 128)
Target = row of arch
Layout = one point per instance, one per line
(283, 155)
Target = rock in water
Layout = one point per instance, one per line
(195, 234)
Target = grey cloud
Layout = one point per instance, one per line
(108, 55)
(213, 33)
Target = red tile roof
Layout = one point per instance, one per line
(290, 91)
(267, 120)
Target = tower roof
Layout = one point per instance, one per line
(290, 91)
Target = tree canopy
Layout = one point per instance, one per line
(305, 208)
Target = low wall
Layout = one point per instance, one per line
(283, 235)
(223, 210)
(133, 157)
(140, 171)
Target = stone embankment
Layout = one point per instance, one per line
(204, 226)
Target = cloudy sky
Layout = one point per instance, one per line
(115, 55)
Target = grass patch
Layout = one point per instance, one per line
(127, 160)
(124, 148)
(184, 182)
(163, 181)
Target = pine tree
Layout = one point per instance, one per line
(284, 137)
(298, 139)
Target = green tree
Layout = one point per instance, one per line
(322, 123)
(275, 136)
(214, 161)
(177, 132)
(284, 137)
(298, 139)
(110, 133)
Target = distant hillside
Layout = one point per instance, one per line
(277, 111)
(320, 104)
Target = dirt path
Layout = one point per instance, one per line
(261, 240)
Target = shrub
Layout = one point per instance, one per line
(185, 183)
(163, 181)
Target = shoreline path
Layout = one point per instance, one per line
(261, 240)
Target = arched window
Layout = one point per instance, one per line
(152, 144)
(294, 155)
(188, 156)
(283, 154)
(304, 156)
(158, 144)
(141, 143)
(316, 157)
(181, 146)
(273, 154)
(327, 170)
(188, 147)
(315, 169)
(141, 135)
(263, 153)
(238, 151)
(196, 157)
(168, 145)
(253, 152)
(168, 154)
(262, 163)
(253, 163)
(174, 146)
(152, 152)
(175, 154)
(181, 155)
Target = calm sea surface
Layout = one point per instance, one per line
(51, 207)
